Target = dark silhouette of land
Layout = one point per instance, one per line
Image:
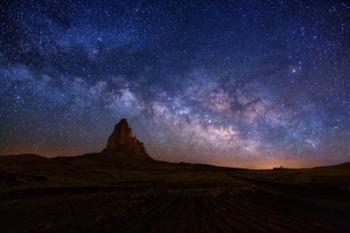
(121, 189)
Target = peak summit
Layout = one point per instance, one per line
(122, 140)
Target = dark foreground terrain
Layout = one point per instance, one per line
(103, 193)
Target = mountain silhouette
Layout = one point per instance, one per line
(123, 144)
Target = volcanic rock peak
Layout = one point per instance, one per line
(122, 140)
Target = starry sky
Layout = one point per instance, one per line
(243, 83)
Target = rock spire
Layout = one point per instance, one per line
(123, 141)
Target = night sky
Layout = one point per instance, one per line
(236, 83)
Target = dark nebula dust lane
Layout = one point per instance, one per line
(234, 83)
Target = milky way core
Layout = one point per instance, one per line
(235, 83)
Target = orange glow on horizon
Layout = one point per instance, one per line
(236, 162)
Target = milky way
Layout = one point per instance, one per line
(233, 83)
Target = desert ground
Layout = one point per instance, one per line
(104, 193)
